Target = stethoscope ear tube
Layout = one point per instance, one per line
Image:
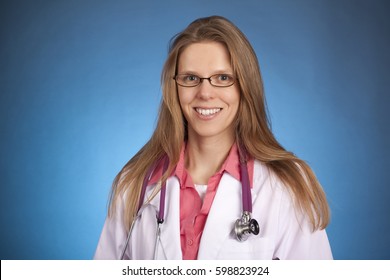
(128, 238)
(160, 215)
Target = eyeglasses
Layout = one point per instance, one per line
(217, 80)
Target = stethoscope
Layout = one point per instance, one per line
(243, 227)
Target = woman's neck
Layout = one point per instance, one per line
(204, 157)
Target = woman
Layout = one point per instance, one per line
(212, 135)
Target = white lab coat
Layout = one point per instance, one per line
(284, 232)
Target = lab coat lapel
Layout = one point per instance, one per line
(225, 210)
(170, 230)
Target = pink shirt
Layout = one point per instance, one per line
(193, 213)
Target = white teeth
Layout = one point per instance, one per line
(208, 112)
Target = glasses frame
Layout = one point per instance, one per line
(204, 78)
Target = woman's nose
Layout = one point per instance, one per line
(205, 89)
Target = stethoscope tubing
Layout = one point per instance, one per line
(246, 198)
(160, 215)
(161, 212)
(246, 191)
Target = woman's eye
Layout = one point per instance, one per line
(190, 78)
(224, 77)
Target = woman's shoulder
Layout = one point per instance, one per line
(263, 174)
(267, 183)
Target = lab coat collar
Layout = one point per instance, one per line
(225, 210)
(170, 231)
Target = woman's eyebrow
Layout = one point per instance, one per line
(215, 72)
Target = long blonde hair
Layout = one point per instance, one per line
(252, 126)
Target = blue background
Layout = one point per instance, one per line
(80, 89)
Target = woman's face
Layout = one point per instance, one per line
(210, 111)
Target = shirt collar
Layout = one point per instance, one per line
(231, 165)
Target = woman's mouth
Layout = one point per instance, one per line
(208, 112)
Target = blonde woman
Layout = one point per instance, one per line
(212, 173)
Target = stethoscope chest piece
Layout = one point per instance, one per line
(246, 226)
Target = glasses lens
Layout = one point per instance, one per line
(187, 80)
(217, 80)
(222, 80)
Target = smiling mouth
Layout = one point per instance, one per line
(207, 112)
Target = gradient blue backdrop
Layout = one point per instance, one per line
(79, 84)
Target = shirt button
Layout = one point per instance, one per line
(190, 242)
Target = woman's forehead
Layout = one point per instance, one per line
(204, 56)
